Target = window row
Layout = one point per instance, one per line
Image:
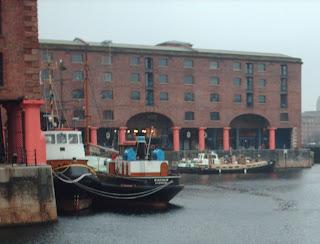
(188, 97)
(163, 79)
(163, 62)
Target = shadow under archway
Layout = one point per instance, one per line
(141, 123)
(249, 131)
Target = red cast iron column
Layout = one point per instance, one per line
(176, 139)
(226, 138)
(202, 145)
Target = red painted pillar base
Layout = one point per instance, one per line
(226, 145)
(202, 145)
(34, 139)
(272, 138)
(94, 137)
(176, 139)
(122, 134)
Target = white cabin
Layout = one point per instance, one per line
(64, 145)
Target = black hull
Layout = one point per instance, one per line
(192, 170)
(71, 197)
(138, 192)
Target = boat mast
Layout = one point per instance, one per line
(87, 104)
(51, 121)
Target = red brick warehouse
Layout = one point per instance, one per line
(19, 82)
(195, 98)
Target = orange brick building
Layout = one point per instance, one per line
(195, 98)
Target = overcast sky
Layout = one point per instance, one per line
(289, 27)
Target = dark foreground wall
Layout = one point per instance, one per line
(285, 158)
(26, 195)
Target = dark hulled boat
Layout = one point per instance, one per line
(134, 179)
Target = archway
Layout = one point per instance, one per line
(249, 131)
(141, 123)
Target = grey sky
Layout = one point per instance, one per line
(286, 26)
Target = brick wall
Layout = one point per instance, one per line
(124, 108)
(19, 46)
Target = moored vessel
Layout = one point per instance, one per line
(136, 178)
(65, 154)
(208, 163)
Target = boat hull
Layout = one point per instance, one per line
(137, 191)
(227, 169)
(68, 183)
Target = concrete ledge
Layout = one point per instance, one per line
(26, 195)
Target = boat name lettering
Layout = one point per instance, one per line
(160, 181)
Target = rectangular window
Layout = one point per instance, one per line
(78, 94)
(261, 67)
(1, 63)
(79, 114)
(134, 77)
(284, 70)
(149, 98)
(283, 99)
(189, 97)
(214, 97)
(149, 79)
(261, 83)
(134, 61)
(46, 74)
(237, 98)
(108, 115)
(237, 82)
(135, 95)
(107, 76)
(188, 80)
(262, 99)
(189, 115)
(284, 117)
(61, 138)
(163, 96)
(214, 65)
(77, 58)
(107, 95)
(163, 62)
(163, 79)
(283, 84)
(214, 81)
(46, 56)
(77, 75)
(249, 68)
(149, 63)
(237, 66)
(107, 59)
(249, 84)
(249, 100)
(188, 63)
(72, 138)
(214, 116)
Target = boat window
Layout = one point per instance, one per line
(80, 139)
(214, 156)
(72, 138)
(50, 139)
(61, 138)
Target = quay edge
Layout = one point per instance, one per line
(26, 195)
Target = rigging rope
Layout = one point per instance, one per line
(124, 196)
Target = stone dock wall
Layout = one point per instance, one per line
(26, 195)
(285, 158)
